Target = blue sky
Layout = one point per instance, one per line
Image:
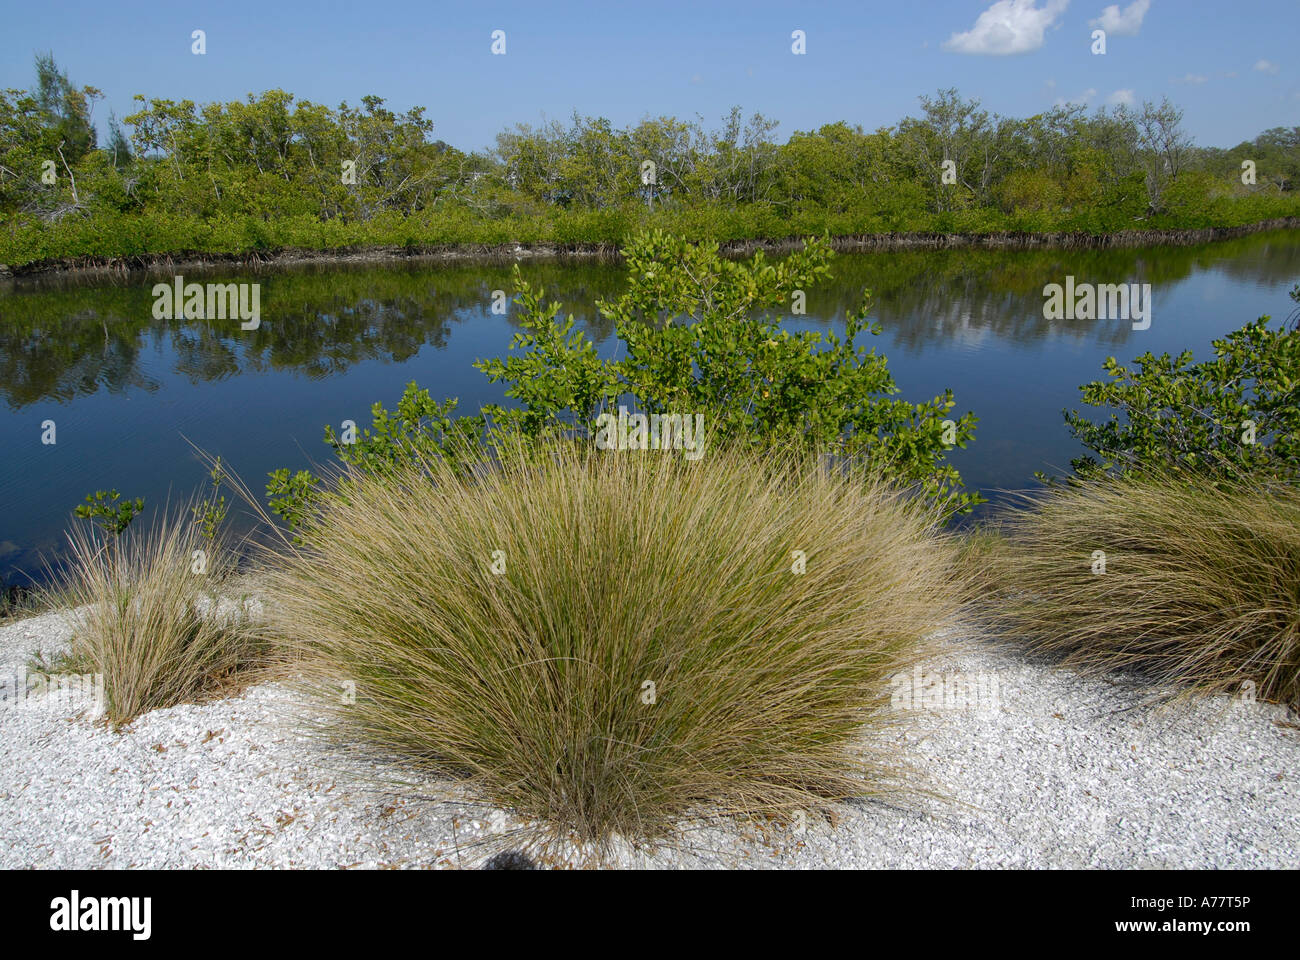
(1232, 66)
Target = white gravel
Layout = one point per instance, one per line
(1053, 771)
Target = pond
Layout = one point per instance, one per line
(132, 396)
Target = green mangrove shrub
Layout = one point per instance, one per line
(1234, 415)
(109, 511)
(699, 339)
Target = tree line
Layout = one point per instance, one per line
(273, 157)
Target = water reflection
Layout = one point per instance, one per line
(130, 392)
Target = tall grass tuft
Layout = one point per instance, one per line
(1200, 589)
(160, 633)
(642, 647)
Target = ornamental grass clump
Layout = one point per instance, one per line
(606, 641)
(150, 611)
(1189, 581)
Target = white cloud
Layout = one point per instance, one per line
(1081, 100)
(1125, 24)
(1267, 66)
(1192, 78)
(1007, 27)
(1121, 98)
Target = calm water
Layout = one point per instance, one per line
(129, 394)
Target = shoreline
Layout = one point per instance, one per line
(1060, 772)
(454, 253)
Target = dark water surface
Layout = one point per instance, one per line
(127, 391)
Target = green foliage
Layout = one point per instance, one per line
(268, 173)
(50, 126)
(559, 379)
(1275, 154)
(291, 496)
(1233, 415)
(210, 514)
(103, 508)
(64, 109)
(1031, 190)
(698, 341)
(418, 429)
